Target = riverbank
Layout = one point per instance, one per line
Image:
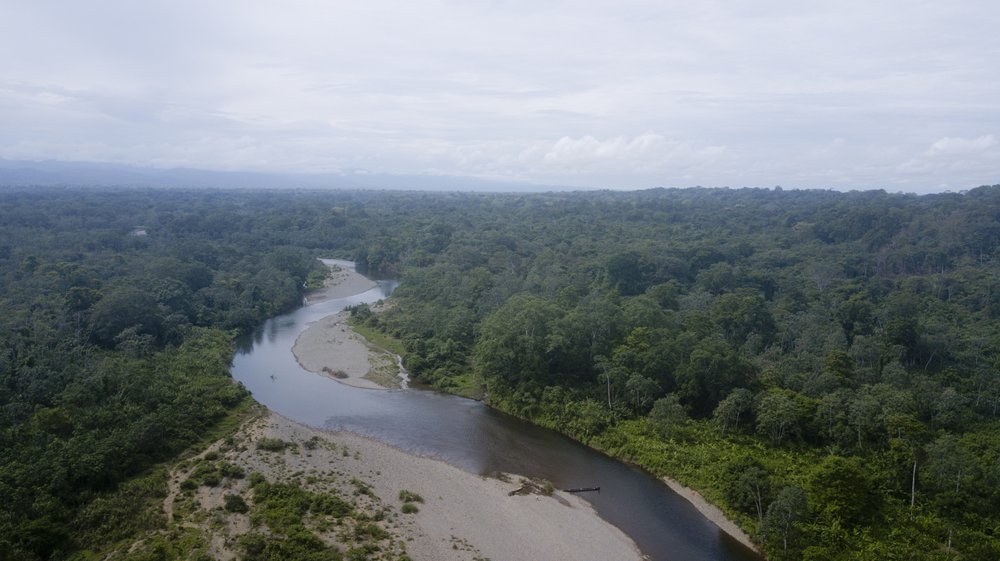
(709, 511)
(459, 517)
(712, 513)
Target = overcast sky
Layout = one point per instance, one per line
(901, 95)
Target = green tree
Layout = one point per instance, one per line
(830, 418)
(741, 314)
(747, 486)
(711, 372)
(732, 409)
(120, 309)
(650, 353)
(949, 409)
(788, 509)
(949, 463)
(629, 272)
(841, 490)
(907, 438)
(779, 414)
(641, 391)
(589, 419)
(667, 415)
(840, 365)
(513, 345)
(864, 414)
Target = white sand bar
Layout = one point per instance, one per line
(331, 348)
(464, 516)
(343, 281)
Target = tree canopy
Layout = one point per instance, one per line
(839, 351)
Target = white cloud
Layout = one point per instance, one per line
(645, 152)
(957, 163)
(642, 160)
(949, 146)
(626, 93)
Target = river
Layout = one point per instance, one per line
(473, 437)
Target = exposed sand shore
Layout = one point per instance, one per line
(342, 282)
(474, 514)
(463, 517)
(331, 348)
(711, 512)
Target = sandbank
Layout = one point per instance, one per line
(711, 512)
(463, 517)
(343, 281)
(331, 348)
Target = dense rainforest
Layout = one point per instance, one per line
(118, 312)
(822, 365)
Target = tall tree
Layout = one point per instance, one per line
(788, 509)
(748, 486)
(734, 408)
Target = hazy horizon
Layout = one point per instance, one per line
(623, 95)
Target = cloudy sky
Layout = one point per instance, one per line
(901, 95)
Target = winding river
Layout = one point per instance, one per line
(473, 437)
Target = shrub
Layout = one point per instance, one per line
(331, 505)
(231, 471)
(409, 508)
(206, 474)
(256, 478)
(211, 479)
(370, 530)
(271, 444)
(361, 488)
(410, 497)
(235, 503)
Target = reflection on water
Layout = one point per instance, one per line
(471, 436)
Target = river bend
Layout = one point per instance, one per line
(473, 437)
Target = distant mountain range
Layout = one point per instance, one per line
(62, 173)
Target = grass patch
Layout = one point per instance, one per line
(466, 385)
(178, 543)
(300, 545)
(384, 370)
(379, 339)
(370, 531)
(409, 508)
(410, 497)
